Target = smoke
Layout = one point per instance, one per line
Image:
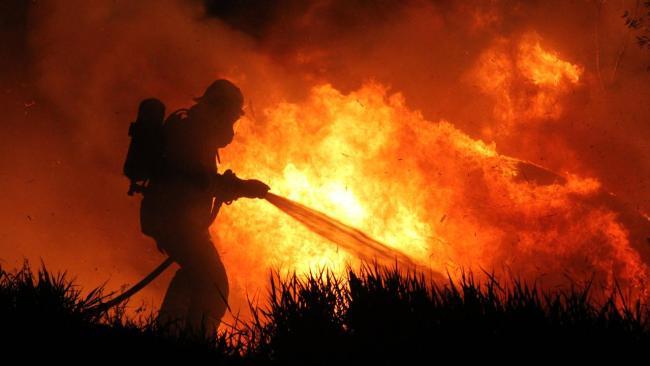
(84, 66)
(91, 65)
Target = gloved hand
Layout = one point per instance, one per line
(228, 187)
(253, 188)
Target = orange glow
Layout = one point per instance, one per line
(526, 80)
(448, 201)
(543, 67)
(477, 135)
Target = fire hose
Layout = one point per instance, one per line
(104, 306)
(134, 289)
(349, 238)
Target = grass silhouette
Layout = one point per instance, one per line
(374, 315)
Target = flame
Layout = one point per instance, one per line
(438, 193)
(543, 67)
(527, 81)
(447, 200)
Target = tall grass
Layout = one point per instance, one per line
(373, 315)
(46, 314)
(384, 316)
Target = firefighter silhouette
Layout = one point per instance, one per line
(182, 197)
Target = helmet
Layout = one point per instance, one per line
(222, 92)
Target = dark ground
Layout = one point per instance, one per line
(373, 316)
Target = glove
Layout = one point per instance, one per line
(229, 187)
(253, 188)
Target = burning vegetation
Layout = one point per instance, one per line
(446, 200)
(468, 136)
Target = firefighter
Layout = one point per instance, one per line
(182, 199)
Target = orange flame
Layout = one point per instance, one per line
(446, 200)
(526, 80)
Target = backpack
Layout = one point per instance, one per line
(145, 155)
